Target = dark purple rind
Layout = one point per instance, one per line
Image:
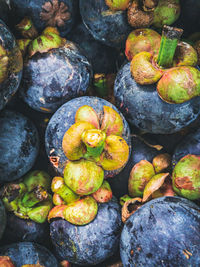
(10, 85)
(2, 219)
(92, 243)
(64, 118)
(19, 145)
(29, 253)
(51, 79)
(111, 28)
(33, 9)
(143, 108)
(163, 232)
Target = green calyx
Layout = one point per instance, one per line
(117, 4)
(29, 199)
(27, 29)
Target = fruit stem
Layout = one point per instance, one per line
(169, 42)
(94, 140)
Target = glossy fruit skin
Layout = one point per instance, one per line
(170, 244)
(33, 9)
(11, 83)
(19, 230)
(143, 108)
(4, 11)
(92, 243)
(101, 56)
(44, 91)
(109, 27)
(28, 253)
(2, 218)
(140, 151)
(62, 120)
(190, 144)
(19, 145)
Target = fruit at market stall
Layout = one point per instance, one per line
(29, 253)
(64, 141)
(19, 145)
(88, 244)
(55, 13)
(11, 65)
(2, 218)
(164, 231)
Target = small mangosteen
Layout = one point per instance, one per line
(163, 232)
(11, 64)
(19, 145)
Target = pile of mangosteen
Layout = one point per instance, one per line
(99, 133)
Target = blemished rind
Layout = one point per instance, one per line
(173, 225)
(10, 84)
(4, 11)
(19, 145)
(33, 9)
(92, 243)
(140, 151)
(18, 230)
(190, 144)
(29, 253)
(2, 218)
(107, 26)
(62, 120)
(143, 108)
(51, 79)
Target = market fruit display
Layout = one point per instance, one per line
(11, 65)
(177, 244)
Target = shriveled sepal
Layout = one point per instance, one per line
(117, 4)
(161, 162)
(6, 261)
(103, 194)
(87, 114)
(27, 29)
(130, 207)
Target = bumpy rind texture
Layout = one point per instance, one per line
(92, 243)
(33, 9)
(10, 85)
(163, 232)
(109, 27)
(143, 108)
(2, 218)
(62, 120)
(51, 79)
(19, 145)
(25, 230)
(4, 11)
(140, 151)
(101, 56)
(29, 253)
(190, 144)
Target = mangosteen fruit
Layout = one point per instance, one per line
(2, 218)
(163, 232)
(87, 131)
(25, 253)
(54, 13)
(55, 71)
(11, 64)
(88, 244)
(19, 145)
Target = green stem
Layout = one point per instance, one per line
(37, 195)
(169, 42)
(94, 140)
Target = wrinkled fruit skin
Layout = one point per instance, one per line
(44, 91)
(2, 218)
(34, 10)
(28, 253)
(13, 71)
(178, 244)
(25, 230)
(107, 26)
(19, 145)
(76, 243)
(63, 119)
(141, 40)
(186, 177)
(4, 11)
(152, 115)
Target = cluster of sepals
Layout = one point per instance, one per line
(30, 198)
(144, 13)
(91, 147)
(6, 261)
(172, 66)
(147, 180)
